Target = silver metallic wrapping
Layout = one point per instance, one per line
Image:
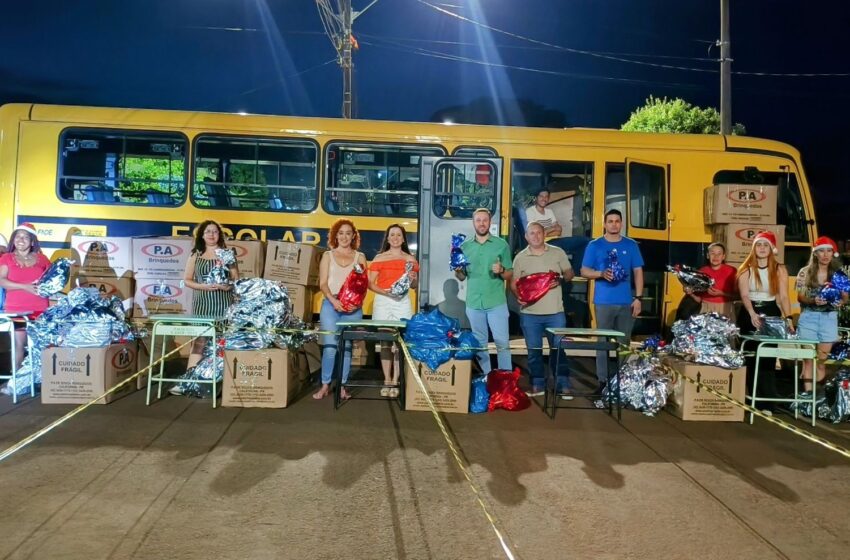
(644, 385)
(261, 317)
(211, 365)
(220, 272)
(774, 327)
(401, 286)
(706, 339)
(82, 319)
(834, 403)
(697, 281)
(54, 278)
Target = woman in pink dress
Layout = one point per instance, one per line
(20, 268)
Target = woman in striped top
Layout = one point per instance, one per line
(211, 300)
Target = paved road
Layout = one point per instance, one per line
(181, 480)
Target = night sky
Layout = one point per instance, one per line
(272, 56)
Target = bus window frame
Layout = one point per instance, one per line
(371, 143)
(193, 174)
(493, 154)
(123, 131)
(495, 195)
(661, 234)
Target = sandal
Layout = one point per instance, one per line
(393, 393)
(385, 392)
(322, 393)
(344, 395)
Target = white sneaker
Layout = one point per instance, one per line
(176, 389)
(535, 393)
(566, 396)
(767, 412)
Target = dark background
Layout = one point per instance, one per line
(416, 63)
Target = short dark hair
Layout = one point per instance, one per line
(615, 212)
(542, 190)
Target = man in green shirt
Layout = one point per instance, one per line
(548, 311)
(486, 304)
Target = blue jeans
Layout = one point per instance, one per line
(497, 319)
(328, 318)
(534, 329)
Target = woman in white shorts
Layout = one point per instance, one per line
(386, 268)
(818, 319)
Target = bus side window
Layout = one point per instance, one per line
(122, 167)
(255, 173)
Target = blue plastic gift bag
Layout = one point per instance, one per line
(466, 345)
(479, 400)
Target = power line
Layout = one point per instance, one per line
(628, 60)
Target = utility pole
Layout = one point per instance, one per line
(725, 71)
(339, 26)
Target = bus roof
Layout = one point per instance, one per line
(426, 132)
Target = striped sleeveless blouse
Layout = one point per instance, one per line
(209, 304)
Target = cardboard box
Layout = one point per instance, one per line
(161, 257)
(738, 239)
(302, 301)
(448, 386)
(105, 257)
(156, 296)
(690, 402)
(363, 354)
(108, 287)
(293, 263)
(250, 256)
(77, 375)
(742, 204)
(262, 378)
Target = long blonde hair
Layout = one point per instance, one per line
(811, 274)
(751, 265)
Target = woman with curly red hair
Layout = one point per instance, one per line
(336, 265)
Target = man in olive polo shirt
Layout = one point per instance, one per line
(548, 311)
(486, 304)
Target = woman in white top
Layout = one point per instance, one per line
(336, 265)
(763, 285)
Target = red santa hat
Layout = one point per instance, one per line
(767, 236)
(27, 227)
(825, 243)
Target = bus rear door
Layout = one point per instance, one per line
(451, 189)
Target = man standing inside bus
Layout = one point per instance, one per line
(490, 265)
(613, 303)
(540, 213)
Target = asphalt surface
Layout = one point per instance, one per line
(180, 479)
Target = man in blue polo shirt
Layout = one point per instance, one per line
(613, 303)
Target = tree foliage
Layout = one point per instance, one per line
(676, 115)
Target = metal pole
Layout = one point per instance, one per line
(725, 71)
(347, 63)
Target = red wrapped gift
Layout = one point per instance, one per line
(504, 392)
(353, 290)
(534, 286)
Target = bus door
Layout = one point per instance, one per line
(451, 189)
(647, 219)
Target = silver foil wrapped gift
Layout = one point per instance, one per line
(79, 320)
(834, 402)
(401, 286)
(644, 385)
(697, 281)
(261, 317)
(706, 339)
(210, 366)
(54, 278)
(220, 272)
(774, 327)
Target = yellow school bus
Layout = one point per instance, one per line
(126, 172)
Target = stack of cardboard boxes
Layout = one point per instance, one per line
(105, 263)
(158, 265)
(297, 266)
(737, 213)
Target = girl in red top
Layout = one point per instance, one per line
(20, 268)
(720, 297)
(387, 267)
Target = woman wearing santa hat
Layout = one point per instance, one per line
(763, 286)
(20, 268)
(818, 319)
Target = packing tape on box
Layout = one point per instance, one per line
(9, 451)
(461, 463)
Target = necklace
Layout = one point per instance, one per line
(24, 260)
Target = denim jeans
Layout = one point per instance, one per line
(534, 329)
(616, 318)
(497, 319)
(328, 318)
